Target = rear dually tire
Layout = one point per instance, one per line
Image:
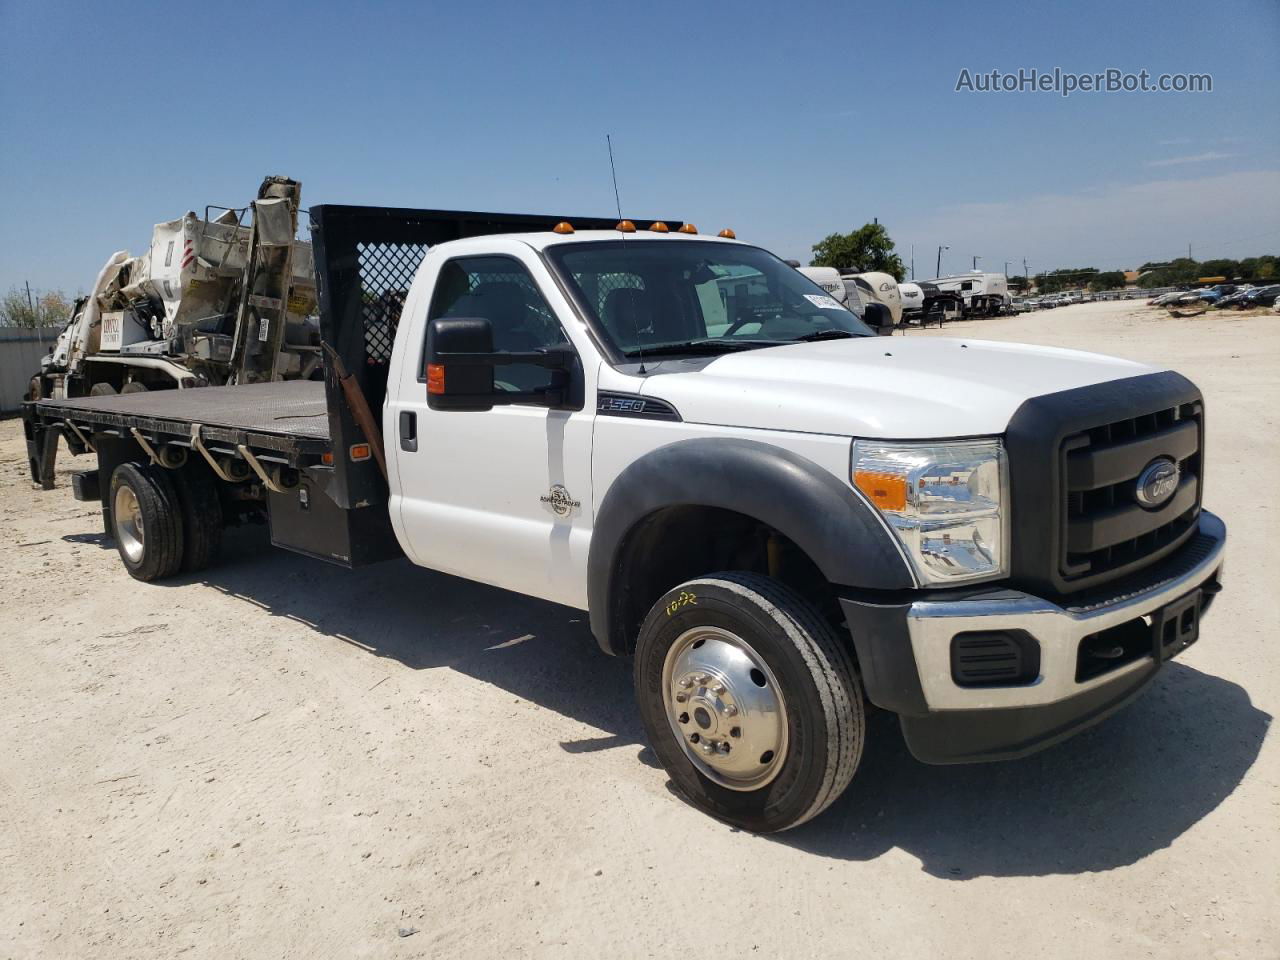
(146, 521)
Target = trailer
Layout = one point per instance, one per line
(983, 294)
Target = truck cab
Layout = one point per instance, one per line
(781, 517)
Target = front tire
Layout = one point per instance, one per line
(750, 700)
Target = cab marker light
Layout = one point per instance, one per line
(360, 451)
(564, 226)
(688, 228)
(659, 227)
(626, 226)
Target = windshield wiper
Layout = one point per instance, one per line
(698, 347)
(832, 334)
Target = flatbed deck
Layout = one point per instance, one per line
(287, 420)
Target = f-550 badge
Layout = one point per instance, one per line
(559, 501)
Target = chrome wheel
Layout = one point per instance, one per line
(725, 708)
(126, 515)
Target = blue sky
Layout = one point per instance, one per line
(786, 121)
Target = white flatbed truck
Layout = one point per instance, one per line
(780, 516)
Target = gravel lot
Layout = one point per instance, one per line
(284, 759)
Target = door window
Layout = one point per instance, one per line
(500, 290)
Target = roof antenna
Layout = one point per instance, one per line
(614, 171)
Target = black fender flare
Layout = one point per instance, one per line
(838, 530)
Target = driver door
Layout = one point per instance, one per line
(502, 496)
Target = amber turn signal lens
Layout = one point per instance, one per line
(659, 227)
(435, 378)
(564, 226)
(360, 451)
(327, 458)
(688, 228)
(888, 491)
(626, 226)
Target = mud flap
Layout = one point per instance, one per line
(42, 446)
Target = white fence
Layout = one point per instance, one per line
(20, 353)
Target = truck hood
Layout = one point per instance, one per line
(899, 387)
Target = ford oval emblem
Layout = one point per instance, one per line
(1156, 483)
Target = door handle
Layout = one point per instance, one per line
(408, 431)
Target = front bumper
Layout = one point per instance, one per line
(905, 651)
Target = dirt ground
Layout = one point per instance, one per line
(279, 758)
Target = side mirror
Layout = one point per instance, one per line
(459, 364)
(877, 315)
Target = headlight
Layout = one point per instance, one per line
(947, 502)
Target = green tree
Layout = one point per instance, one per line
(867, 248)
(49, 309)
(1262, 269)
(1065, 278)
(1107, 280)
(1220, 268)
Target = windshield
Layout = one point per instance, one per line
(692, 296)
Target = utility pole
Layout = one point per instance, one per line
(31, 306)
(913, 261)
(940, 249)
(976, 258)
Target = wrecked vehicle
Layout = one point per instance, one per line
(213, 301)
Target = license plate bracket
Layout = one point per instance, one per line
(1176, 625)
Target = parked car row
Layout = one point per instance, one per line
(1048, 301)
(1247, 297)
(1221, 295)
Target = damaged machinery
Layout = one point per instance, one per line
(229, 298)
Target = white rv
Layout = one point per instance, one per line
(829, 279)
(912, 297)
(984, 294)
(873, 287)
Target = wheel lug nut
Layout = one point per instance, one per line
(723, 746)
(718, 689)
(731, 711)
(708, 747)
(686, 682)
(681, 697)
